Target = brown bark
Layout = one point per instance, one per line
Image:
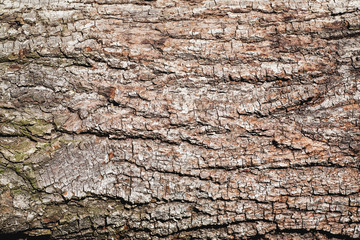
(175, 119)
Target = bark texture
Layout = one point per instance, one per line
(179, 119)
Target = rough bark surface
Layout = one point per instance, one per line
(179, 119)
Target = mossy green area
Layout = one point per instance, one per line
(28, 127)
(22, 134)
(21, 155)
(20, 58)
(16, 149)
(26, 141)
(11, 180)
(25, 172)
(21, 174)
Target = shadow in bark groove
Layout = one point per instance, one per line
(22, 236)
(313, 232)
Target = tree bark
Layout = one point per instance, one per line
(178, 119)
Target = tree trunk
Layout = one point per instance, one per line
(179, 119)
